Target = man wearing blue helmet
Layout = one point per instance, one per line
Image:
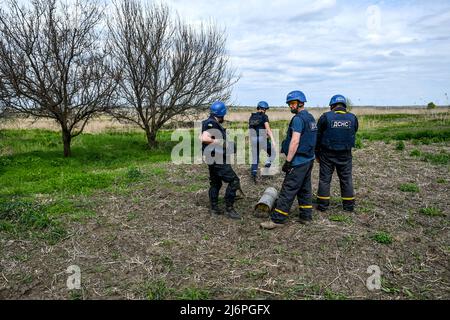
(261, 137)
(299, 148)
(215, 150)
(335, 139)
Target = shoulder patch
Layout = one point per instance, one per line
(210, 125)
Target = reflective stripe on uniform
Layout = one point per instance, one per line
(341, 112)
(348, 199)
(306, 207)
(323, 198)
(281, 212)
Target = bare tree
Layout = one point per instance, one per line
(52, 64)
(2, 104)
(169, 68)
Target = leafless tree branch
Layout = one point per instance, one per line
(52, 64)
(169, 68)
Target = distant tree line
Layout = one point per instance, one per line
(141, 64)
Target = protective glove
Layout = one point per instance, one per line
(287, 166)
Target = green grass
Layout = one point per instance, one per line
(160, 290)
(331, 295)
(340, 218)
(389, 287)
(424, 129)
(382, 237)
(193, 294)
(432, 212)
(417, 128)
(35, 164)
(441, 158)
(400, 146)
(38, 184)
(303, 291)
(157, 290)
(408, 187)
(25, 218)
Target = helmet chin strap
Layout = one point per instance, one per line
(296, 110)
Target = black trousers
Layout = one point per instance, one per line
(219, 173)
(342, 162)
(297, 183)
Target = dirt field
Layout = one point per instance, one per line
(157, 240)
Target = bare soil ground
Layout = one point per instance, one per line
(158, 240)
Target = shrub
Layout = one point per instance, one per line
(431, 105)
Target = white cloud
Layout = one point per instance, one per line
(326, 46)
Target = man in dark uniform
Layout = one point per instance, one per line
(299, 150)
(216, 151)
(335, 139)
(261, 137)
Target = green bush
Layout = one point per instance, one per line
(431, 105)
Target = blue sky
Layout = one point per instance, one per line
(374, 52)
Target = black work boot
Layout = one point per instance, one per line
(231, 212)
(304, 220)
(322, 205)
(215, 210)
(348, 208)
(348, 205)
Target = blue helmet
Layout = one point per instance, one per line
(296, 96)
(263, 105)
(218, 109)
(338, 99)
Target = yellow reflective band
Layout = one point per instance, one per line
(282, 212)
(341, 112)
(323, 198)
(305, 207)
(348, 198)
